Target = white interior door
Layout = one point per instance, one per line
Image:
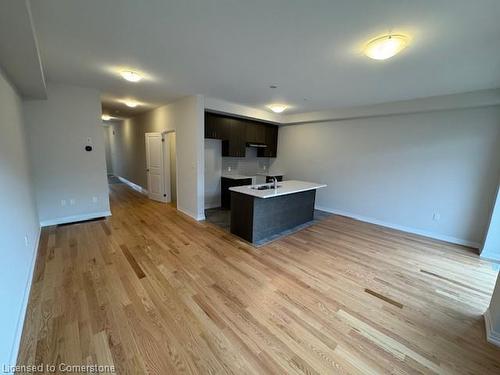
(155, 167)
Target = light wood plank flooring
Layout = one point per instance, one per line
(151, 291)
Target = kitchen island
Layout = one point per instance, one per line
(259, 212)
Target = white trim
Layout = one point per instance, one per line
(492, 336)
(24, 307)
(436, 236)
(196, 217)
(136, 187)
(75, 218)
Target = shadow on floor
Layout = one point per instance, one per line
(222, 218)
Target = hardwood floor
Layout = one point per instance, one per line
(151, 291)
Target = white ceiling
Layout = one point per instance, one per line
(234, 49)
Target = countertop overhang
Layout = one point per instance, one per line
(285, 187)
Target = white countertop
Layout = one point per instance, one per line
(273, 173)
(236, 176)
(286, 187)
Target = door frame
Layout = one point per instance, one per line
(166, 162)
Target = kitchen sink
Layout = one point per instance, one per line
(264, 187)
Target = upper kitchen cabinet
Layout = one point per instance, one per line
(271, 141)
(255, 133)
(235, 145)
(216, 126)
(236, 133)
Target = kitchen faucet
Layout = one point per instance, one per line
(275, 182)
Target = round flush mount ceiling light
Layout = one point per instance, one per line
(106, 117)
(277, 108)
(130, 76)
(386, 46)
(131, 103)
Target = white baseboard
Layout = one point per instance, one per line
(24, 307)
(75, 218)
(136, 187)
(492, 336)
(190, 214)
(402, 228)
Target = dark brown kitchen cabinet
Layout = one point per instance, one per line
(235, 145)
(255, 133)
(271, 140)
(216, 127)
(236, 133)
(225, 193)
(210, 123)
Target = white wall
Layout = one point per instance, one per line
(189, 116)
(58, 129)
(18, 218)
(399, 170)
(186, 117)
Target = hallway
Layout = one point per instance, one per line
(150, 290)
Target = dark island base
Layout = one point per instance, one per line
(256, 219)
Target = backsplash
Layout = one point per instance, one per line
(249, 165)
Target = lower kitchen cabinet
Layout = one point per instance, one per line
(225, 193)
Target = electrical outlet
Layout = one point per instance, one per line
(63, 202)
(436, 216)
(229, 169)
(72, 202)
(89, 140)
(26, 240)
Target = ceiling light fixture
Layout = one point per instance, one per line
(386, 46)
(131, 76)
(277, 108)
(106, 117)
(131, 103)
